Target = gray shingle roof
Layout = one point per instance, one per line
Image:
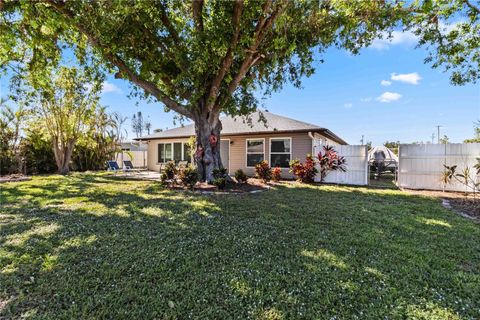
(239, 125)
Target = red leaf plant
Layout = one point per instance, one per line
(329, 160)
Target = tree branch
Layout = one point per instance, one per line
(166, 22)
(228, 59)
(261, 31)
(121, 65)
(473, 7)
(197, 6)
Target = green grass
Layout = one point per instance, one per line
(91, 246)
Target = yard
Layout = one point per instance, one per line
(93, 246)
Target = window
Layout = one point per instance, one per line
(255, 151)
(187, 153)
(176, 151)
(280, 152)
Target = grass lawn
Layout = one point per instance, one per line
(92, 246)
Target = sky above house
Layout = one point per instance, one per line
(385, 93)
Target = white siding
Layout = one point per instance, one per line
(421, 166)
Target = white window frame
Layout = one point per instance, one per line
(247, 153)
(270, 148)
(171, 143)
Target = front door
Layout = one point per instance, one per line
(225, 153)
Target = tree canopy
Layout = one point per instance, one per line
(201, 58)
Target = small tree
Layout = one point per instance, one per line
(67, 105)
(329, 161)
(465, 177)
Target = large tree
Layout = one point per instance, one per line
(203, 58)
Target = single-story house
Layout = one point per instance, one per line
(244, 143)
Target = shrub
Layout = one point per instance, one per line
(240, 176)
(189, 176)
(263, 171)
(329, 160)
(305, 172)
(170, 170)
(276, 174)
(220, 178)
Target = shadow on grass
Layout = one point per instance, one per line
(92, 247)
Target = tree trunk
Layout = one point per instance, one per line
(63, 155)
(207, 151)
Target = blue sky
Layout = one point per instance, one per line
(385, 93)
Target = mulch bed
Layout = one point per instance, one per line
(470, 207)
(14, 178)
(458, 202)
(251, 186)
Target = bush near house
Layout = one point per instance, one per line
(276, 174)
(220, 178)
(263, 171)
(305, 172)
(189, 176)
(329, 161)
(240, 176)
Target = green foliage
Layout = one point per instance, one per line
(37, 151)
(392, 145)
(263, 171)
(170, 170)
(465, 177)
(450, 30)
(476, 137)
(189, 176)
(219, 178)
(240, 176)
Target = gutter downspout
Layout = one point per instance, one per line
(313, 139)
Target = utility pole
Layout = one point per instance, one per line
(362, 140)
(438, 134)
(433, 137)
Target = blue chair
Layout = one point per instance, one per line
(113, 166)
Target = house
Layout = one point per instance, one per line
(244, 143)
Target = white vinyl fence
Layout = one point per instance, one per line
(357, 164)
(139, 158)
(421, 166)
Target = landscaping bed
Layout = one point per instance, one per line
(250, 186)
(470, 207)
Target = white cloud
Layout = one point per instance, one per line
(412, 78)
(348, 105)
(385, 83)
(367, 99)
(388, 97)
(397, 38)
(108, 87)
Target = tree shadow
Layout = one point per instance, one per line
(87, 248)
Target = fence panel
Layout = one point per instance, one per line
(139, 158)
(357, 164)
(421, 165)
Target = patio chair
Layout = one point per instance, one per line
(128, 166)
(113, 166)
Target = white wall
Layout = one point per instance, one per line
(357, 164)
(139, 158)
(421, 166)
